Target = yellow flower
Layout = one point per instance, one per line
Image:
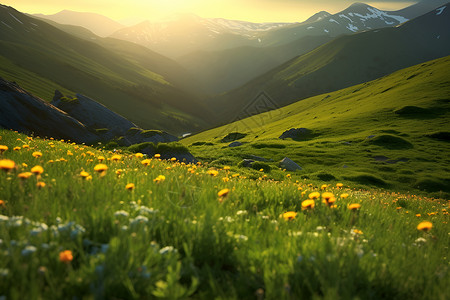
(418, 215)
(173, 159)
(130, 186)
(37, 170)
(354, 206)
(139, 155)
(345, 195)
(212, 172)
(157, 155)
(25, 175)
(25, 146)
(227, 168)
(3, 148)
(339, 185)
(2, 203)
(100, 168)
(119, 172)
(84, 174)
(16, 148)
(101, 158)
(7, 165)
(37, 154)
(357, 231)
(40, 184)
(314, 195)
(424, 226)
(146, 162)
(116, 157)
(223, 193)
(324, 186)
(66, 256)
(159, 179)
(328, 198)
(235, 175)
(290, 215)
(308, 204)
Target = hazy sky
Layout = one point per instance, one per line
(250, 10)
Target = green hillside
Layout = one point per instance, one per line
(130, 80)
(392, 133)
(345, 61)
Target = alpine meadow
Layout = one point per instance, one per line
(224, 150)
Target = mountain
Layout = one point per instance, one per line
(221, 71)
(392, 132)
(186, 33)
(98, 24)
(129, 79)
(420, 8)
(346, 61)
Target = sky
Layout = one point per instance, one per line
(248, 10)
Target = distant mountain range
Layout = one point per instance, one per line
(129, 79)
(346, 61)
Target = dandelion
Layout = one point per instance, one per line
(345, 195)
(418, 215)
(40, 184)
(25, 146)
(146, 162)
(328, 198)
(212, 172)
(3, 148)
(116, 157)
(226, 179)
(308, 204)
(139, 155)
(17, 148)
(157, 155)
(223, 193)
(100, 168)
(173, 159)
(2, 203)
(37, 154)
(25, 175)
(354, 206)
(84, 174)
(357, 231)
(7, 165)
(119, 172)
(324, 186)
(290, 215)
(65, 256)
(37, 170)
(130, 186)
(339, 185)
(159, 179)
(314, 195)
(424, 226)
(101, 158)
(226, 168)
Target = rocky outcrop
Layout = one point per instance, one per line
(28, 114)
(297, 134)
(289, 165)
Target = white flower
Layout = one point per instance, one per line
(138, 220)
(121, 213)
(4, 218)
(146, 210)
(29, 250)
(166, 250)
(420, 240)
(241, 212)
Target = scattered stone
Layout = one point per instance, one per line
(289, 165)
(235, 144)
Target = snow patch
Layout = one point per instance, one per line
(34, 24)
(7, 25)
(377, 14)
(352, 27)
(326, 30)
(16, 18)
(310, 27)
(344, 16)
(333, 20)
(440, 10)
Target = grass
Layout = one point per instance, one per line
(174, 237)
(353, 128)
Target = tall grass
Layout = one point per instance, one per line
(174, 237)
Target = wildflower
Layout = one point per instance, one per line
(261, 170)
(146, 162)
(139, 155)
(37, 154)
(345, 195)
(41, 184)
(314, 195)
(324, 186)
(308, 204)
(65, 256)
(418, 215)
(121, 213)
(25, 175)
(101, 158)
(290, 215)
(84, 174)
(7, 165)
(2, 203)
(159, 179)
(226, 168)
(25, 146)
(37, 170)
(116, 157)
(339, 185)
(354, 206)
(328, 198)
(357, 231)
(173, 159)
(226, 179)
(235, 175)
(119, 172)
(100, 168)
(223, 193)
(3, 148)
(424, 226)
(28, 250)
(212, 172)
(17, 148)
(157, 155)
(287, 175)
(130, 186)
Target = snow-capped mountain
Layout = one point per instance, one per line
(186, 33)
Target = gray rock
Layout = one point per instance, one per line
(289, 165)
(297, 134)
(246, 163)
(28, 114)
(235, 144)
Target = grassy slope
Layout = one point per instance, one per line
(350, 116)
(175, 238)
(110, 77)
(346, 61)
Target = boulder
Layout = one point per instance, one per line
(289, 165)
(23, 112)
(235, 144)
(246, 163)
(297, 134)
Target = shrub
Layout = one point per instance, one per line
(233, 136)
